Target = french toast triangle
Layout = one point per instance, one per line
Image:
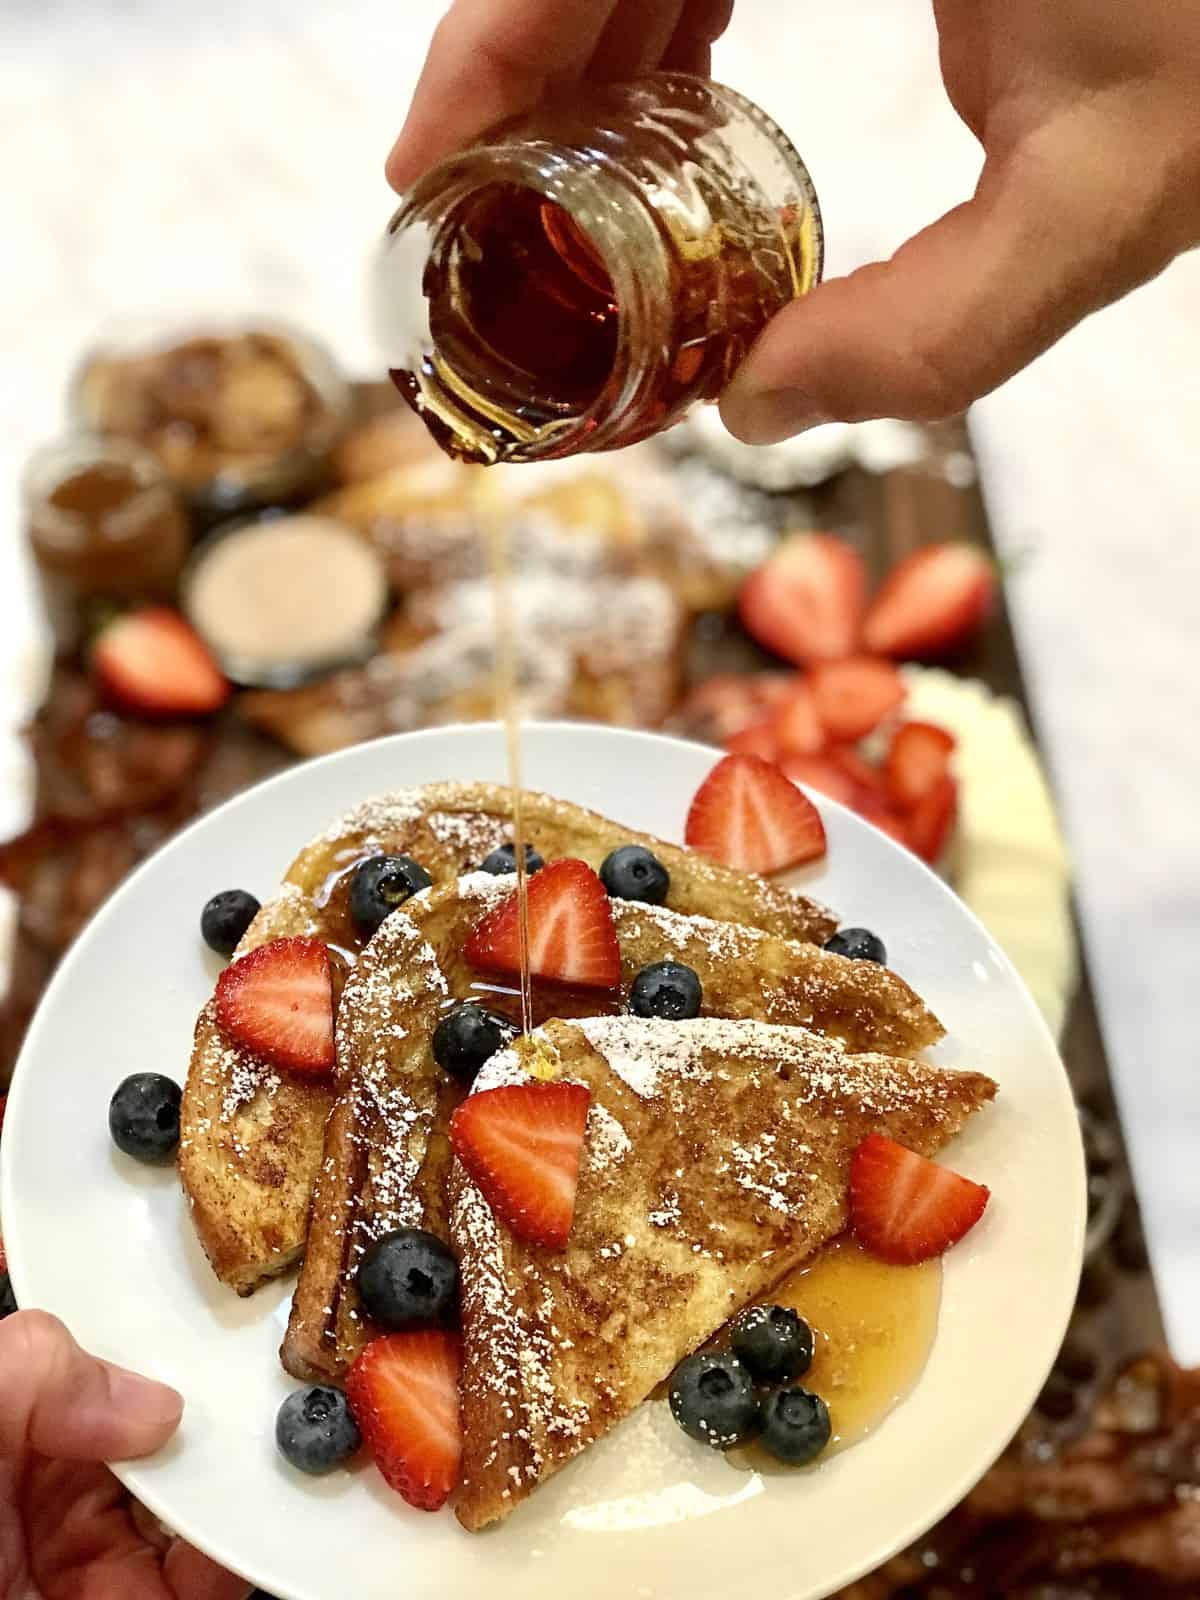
(716, 1158)
(251, 1138)
(386, 1152)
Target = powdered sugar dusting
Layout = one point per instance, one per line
(607, 1141)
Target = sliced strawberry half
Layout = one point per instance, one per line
(748, 814)
(521, 1145)
(278, 1002)
(917, 761)
(929, 824)
(807, 600)
(153, 662)
(403, 1390)
(3, 1257)
(906, 1209)
(931, 602)
(756, 740)
(571, 934)
(795, 722)
(852, 697)
(822, 774)
(3, 1108)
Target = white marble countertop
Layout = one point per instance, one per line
(227, 155)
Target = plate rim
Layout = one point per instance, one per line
(129, 1473)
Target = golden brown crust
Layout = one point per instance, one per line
(716, 1159)
(238, 1124)
(388, 1077)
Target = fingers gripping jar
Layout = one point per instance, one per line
(586, 273)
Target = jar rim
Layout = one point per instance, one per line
(606, 206)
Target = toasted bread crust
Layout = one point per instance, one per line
(251, 1140)
(388, 1080)
(717, 1159)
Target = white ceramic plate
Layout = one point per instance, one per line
(107, 1244)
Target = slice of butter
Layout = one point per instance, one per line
(1009, 862)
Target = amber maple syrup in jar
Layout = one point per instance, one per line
(582, 276)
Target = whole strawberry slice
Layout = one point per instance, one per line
(852, 697)
(571, 933)
(153, 662)
(932, 601)
(917, 761)
(906, 1209)
(929, 824)
(278, 1002)
(403, 1391)
(748, 814)
(521, 1145)
(807, 600)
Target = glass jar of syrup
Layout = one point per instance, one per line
(582, 276)
(106, 529)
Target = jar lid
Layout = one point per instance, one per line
(281, 599)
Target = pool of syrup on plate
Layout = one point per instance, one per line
(873, 1326)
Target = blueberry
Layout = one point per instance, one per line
(795, 1426)
(408, 1277)
(225, 919)
(666, 989)
(712, 1398)
(467, 1037)
(379, 885)
(315, 1429)
(858, 944)
(143, 1116)
(772, 1343)
(8, 1300)
(504, 860)
(635, 873)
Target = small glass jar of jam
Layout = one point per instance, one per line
(106, 529)
(581, 277)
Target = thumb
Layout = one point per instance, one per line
(58, 1401)
(957, 310)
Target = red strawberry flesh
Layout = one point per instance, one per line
(749, 814)
(806, 602)
(852, 697)
(571, 934)
(917, 761)
(795, 723)
(521, 1143)
(277, 1001)
(930, 823)
(403, 1390)
(932, 602)
(152, 661)
(905, 1208)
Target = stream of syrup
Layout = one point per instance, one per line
(508, 712)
